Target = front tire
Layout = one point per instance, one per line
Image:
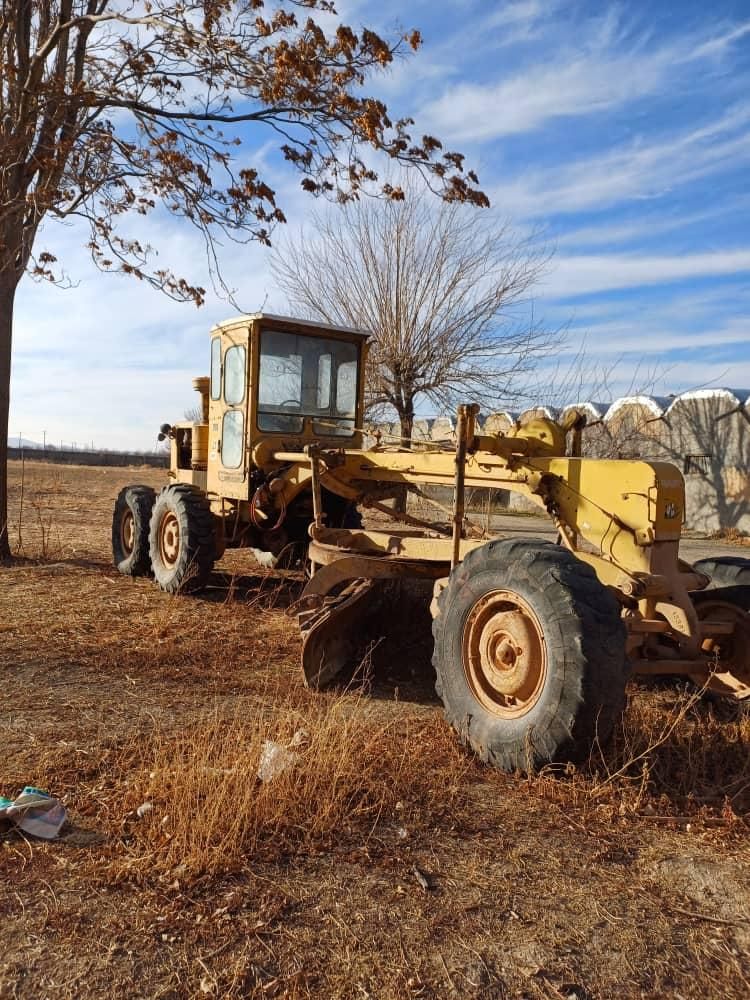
(182, 539)
(529, 655)
(130, 521)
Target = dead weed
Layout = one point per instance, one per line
(207, 811)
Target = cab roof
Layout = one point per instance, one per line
(288, 321)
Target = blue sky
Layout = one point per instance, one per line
(618, 132)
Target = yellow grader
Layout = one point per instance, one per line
(533, 641)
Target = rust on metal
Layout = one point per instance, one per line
(504, 654)
(169, 538)
(729, 654)
(127, 531)
(331, 632)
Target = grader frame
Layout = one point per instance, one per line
(533, 642)
(629, 512)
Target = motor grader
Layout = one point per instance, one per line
(533, 640)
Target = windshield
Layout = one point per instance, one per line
(303, 376)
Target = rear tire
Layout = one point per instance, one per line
(529, 655)
(732, 653)
(182, 539)
(725, 571)
(340, 512)
(738, 596)
(130, 521)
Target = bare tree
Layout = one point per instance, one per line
(436, 285)
(109, 108)
(704, 431)
(581, 379)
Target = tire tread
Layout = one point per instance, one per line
(139, 500)
(196, 559)
(593, 643)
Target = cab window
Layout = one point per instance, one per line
(234, 375)
(216, 368)
(232, 439)
(303, 376)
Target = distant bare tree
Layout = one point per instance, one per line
(436, 285)
(583, 379)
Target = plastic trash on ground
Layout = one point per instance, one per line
(274, 759)
(265, 559)
(35, 812)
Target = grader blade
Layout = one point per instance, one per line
(332, 632)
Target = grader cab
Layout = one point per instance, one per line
(533, 641)
(276, 385)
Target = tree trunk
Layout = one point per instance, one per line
(7, 295)
(407, 428)
(406, 420)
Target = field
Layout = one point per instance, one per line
(385, 862)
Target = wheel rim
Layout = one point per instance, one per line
(127, 532)
(731, 653)
(169, 539)
(504, 654)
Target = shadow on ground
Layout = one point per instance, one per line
(394, 658)
(262, 588)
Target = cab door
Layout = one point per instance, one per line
(228, 413)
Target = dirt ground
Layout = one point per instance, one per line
(629, 877)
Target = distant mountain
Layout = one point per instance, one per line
(16, 442)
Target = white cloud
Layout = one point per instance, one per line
(642, 335)
(684, 375)
(675, 308)
(639, 355)
(111, 359)
(644, 226)
(607, 379)
(589, 73)
(114, 406)
(719, 45)
(639, 170)
(475, 113)
(509, 24)
(518, 12)
(585, 274)
(476, 32)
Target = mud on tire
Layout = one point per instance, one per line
(529, 618)
(130, 524)
(182, 539)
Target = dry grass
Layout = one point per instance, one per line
(681, 747)
(675, 757)
(345, 776)
(627, 877)
(36, 535)
(732, 535)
